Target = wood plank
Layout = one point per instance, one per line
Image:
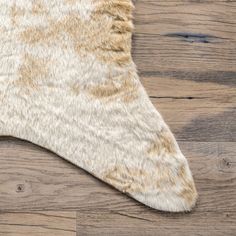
(195, 111)
(38, 223)
(186, 52)
(185, 37)
(32, 179)
(153, 223)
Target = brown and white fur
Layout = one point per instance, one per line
(68, 83)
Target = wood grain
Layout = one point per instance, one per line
(38, 224)
(185, 36)
(152, 224)
(185, 52)
(32, 179)
(195, 111)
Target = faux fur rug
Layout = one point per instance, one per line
(68, 83)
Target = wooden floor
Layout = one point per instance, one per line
(185, 51)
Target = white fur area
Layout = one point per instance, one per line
(107, 137)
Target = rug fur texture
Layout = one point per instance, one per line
(68, 84)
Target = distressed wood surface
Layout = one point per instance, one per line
(148, 223)
(38, 223)
(195, 111)
(186, 38)
(186, 56)
(35, 180)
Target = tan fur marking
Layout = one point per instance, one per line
(122, 26)
(120, 9)
(164, 142)
(126, 180)
(137, 180)
(16, 12)
(33, 68)
(38, 8)
(127, 89)
(105, 37)
(188, 192)
(182, 172)
(33, 35)
(106, 90)
(130, 97)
